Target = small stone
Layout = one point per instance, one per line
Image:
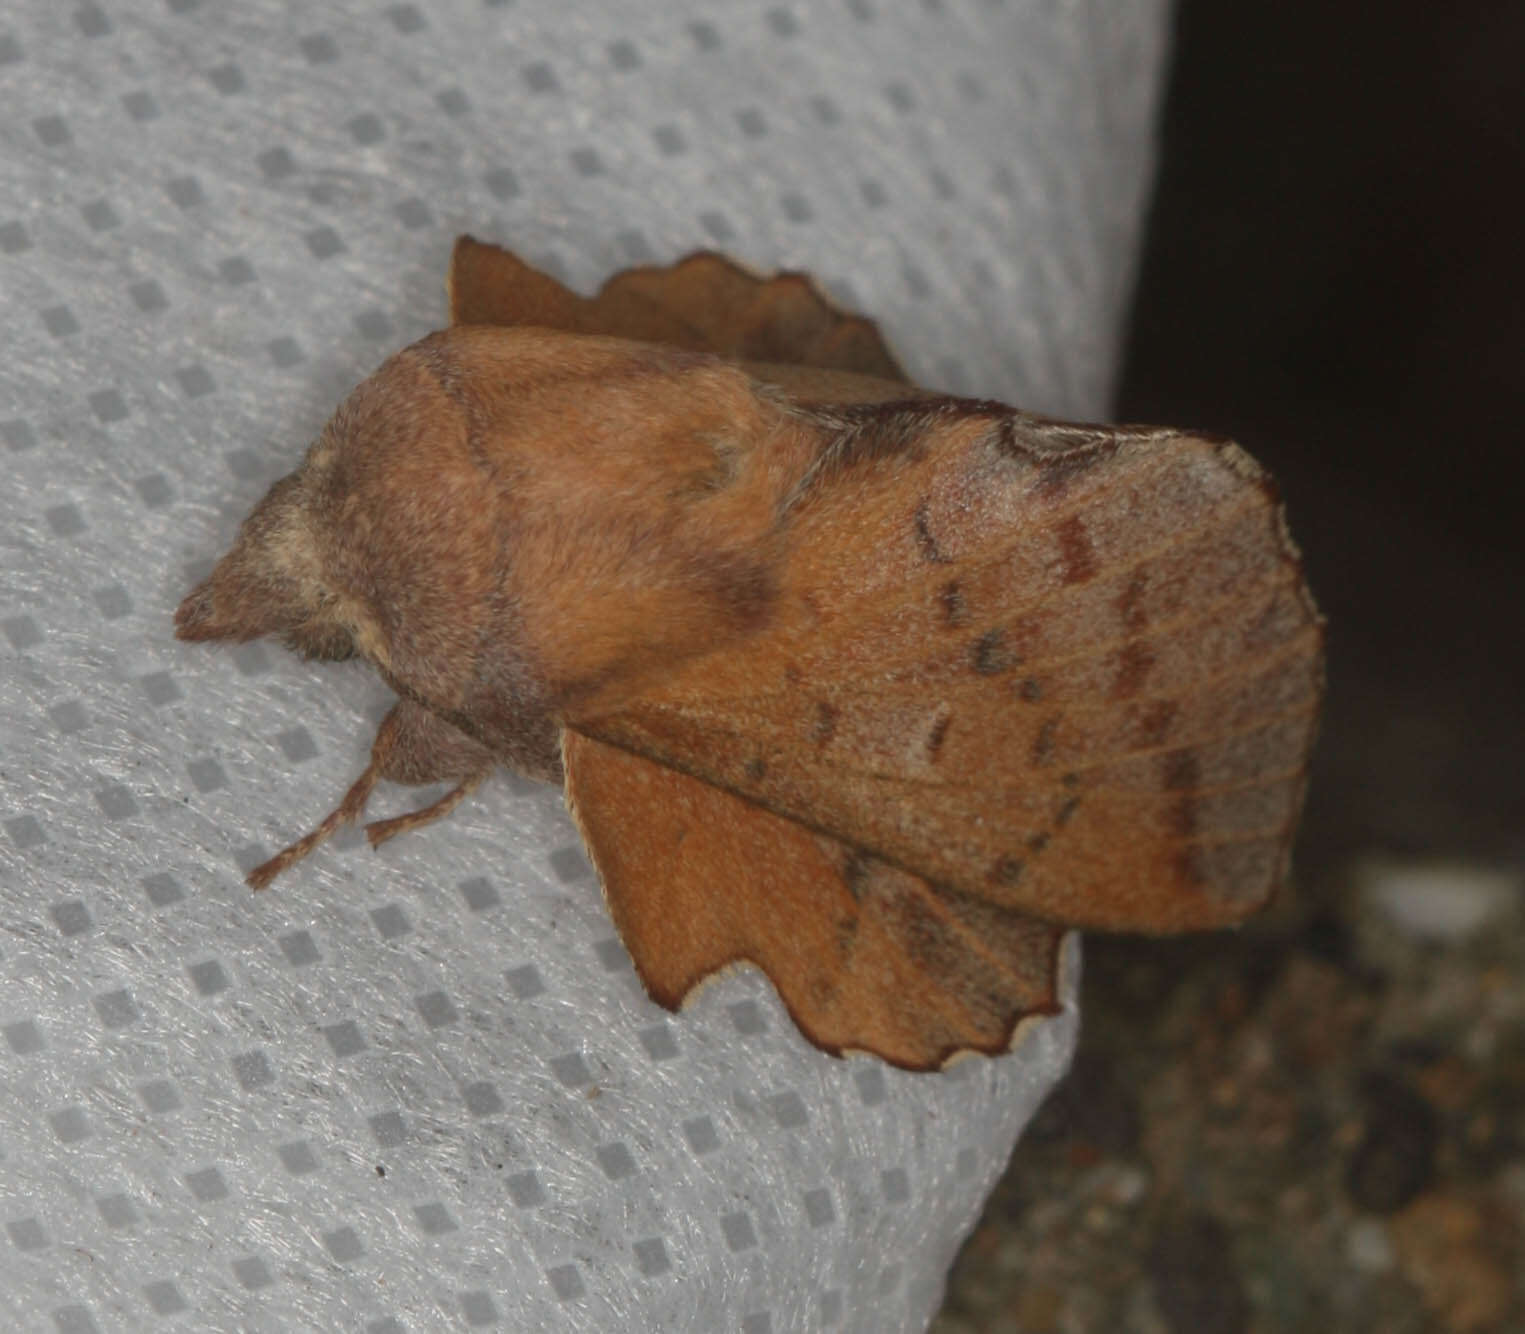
(1396, 1159)
(1128, 1186)
(1439, 901)
(1040, 1306)
(1368, 1246)
(1442, 1243)
(1196, 1283)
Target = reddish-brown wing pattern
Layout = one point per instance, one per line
(865, 956)
(877, 690)
(1075, 673)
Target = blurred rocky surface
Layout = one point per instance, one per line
(1317, 1123)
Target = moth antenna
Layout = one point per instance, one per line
(378, 831)
(347, 810)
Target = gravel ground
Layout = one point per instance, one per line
(1314, 1124)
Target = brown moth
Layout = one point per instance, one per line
(877, 689)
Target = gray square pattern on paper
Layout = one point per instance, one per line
(433, 1061)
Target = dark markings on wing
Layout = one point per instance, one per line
(1104, 653)
(1154, 727)
(955, 610)
(825, 725)
(991, 654)
(865, 432)
(1007, 871)
(1058, 472)
(925, 541)
(743, 587)
(1061, 450)
(1076, 550)
(869, 432)
(1043, 744)
(1181, 773)
(1130, 604)
(1134, 664)
(1182, 769)
(938, 734)
(856, 869)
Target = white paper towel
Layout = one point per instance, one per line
(421, 1089)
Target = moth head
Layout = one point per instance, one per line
(272, 583)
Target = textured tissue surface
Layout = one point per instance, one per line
(421, 1089)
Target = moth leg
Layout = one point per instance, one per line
(348, 809)
(415, 747)
(378, 831)
(412, 746)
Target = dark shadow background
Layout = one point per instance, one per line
(1334, 277)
